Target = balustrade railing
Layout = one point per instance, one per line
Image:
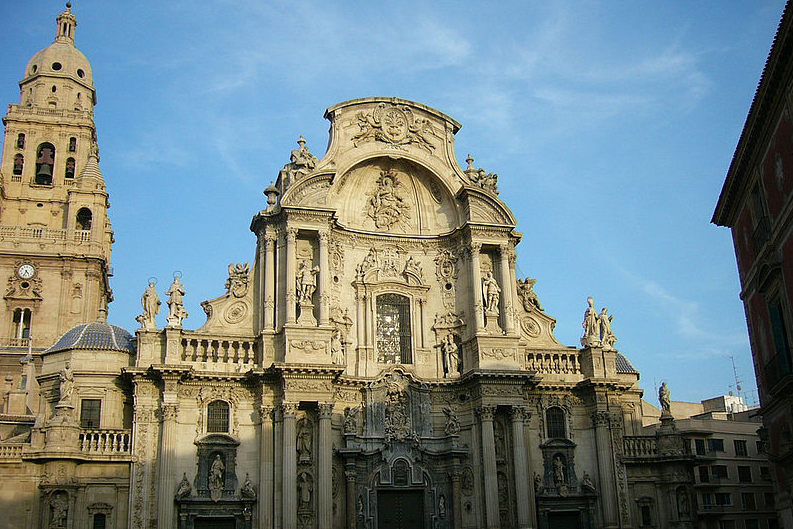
(553, 362)
(52, 234)
(17, 342)
(11, 451)
(640, 446)
(217, 350)
(106, 442)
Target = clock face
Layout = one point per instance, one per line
(26, 271)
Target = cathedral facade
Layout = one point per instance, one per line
(378, 365)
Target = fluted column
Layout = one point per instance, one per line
(166, 485)
(486, 415)
(289, 477)
(608, 490)
(324, 279)
(291, 295)
(476, 280)
(324, 471)
(506, 290)
(266, 468)
(526, 516)
(269, 280)
(350, 474)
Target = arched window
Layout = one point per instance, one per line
(218, 416)
(647, 519)
(84, 217)
(72, 144)
(554, 421)
(20, 140)
(45, 161)
(100, 521)
(22, 324)
(393, 329)
(19, 164)
(69, 173)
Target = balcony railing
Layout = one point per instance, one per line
(553, 362)
(106, 442)
(38, 234)
(640, 446)
(11, 451)
(221, 350)
(17, 342)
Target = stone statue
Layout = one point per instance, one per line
(151, 307)
(237, 283)
(304, 441)
(217, 478)
(607, 337)
(591, 337)
(452, 421)
(304, 489)
(663, 398)
(306, 282)
(527, 295)
(442, 506)
(247, 488)
(336, 348)
(558, 471)
(184, 488)
(682, 503)
(451, 354)
(537, 483)
(351, 419)
(301, 163)
(491, 292)
(66, 378)
(386, 206)
(176, 310)
(59, 511)
(412, 266)
(586, 483)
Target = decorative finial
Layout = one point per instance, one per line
(68, 5)
(301, 141)
(470, 161)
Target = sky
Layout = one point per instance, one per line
(611, 126)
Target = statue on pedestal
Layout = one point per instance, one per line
(491, 292)
(607, 337)
(664, 399)
(217, 478)
(591, 325)
(66, 388)
(176, 312)
(306, 282)
(451, 356)
(151, 307)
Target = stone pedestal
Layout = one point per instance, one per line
(62, 433)
(491, 323)
(306, 318)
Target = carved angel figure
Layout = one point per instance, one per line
(527, 294)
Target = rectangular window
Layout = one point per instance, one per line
(704, 474)
(700, 446)
(780, 337)
(726, 524)
(715, 445)
(89, 413)
(747, 500)
(719, 471)
(768, 498)
(740, 447)
(393, 329)
(707, 500)
(751, 523)
(765, 474)
(745, 474)
(723, 498)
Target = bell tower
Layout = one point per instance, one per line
(55, 235)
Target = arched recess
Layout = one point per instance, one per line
(45, 162)
(404, 482)
(84, 219)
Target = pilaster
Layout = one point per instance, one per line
(324, 470)
(289, 477)
(486, 415)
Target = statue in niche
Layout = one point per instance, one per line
(591, 325)
(491, 292)
(66, 378)
(452, 426)
(304, 490)
(304, 441)
(682, 503)
(607, 337)
(237, 283)
(386, 206)
(664, 398)
(59, 511)
(558, 471)
(176, 310)
(247, 490)
(442, 506)
(527, 295)
(351, 419)
(500, 440)
(336, 348)
(451, 356)
(151, 307)
(184, 488)
(217, 478)
(306, 282)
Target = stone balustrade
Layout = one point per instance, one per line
(38, 234)
(106, 442)
(11, 451)
(217, 349)
(17, 342)
(21, 110)
(640, 446)
(553, 362)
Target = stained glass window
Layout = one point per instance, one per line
(393, 329)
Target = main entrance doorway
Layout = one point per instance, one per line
(564, 520)
(215, 523)
(400, 509)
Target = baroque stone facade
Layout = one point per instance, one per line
(378, 365)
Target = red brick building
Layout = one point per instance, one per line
(756, 202)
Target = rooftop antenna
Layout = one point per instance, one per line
(735, 376)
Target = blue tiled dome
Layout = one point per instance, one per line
(97, 335)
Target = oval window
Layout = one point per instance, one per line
(34, 69)
(80, 73)
(56, 66)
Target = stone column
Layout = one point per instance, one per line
(600, 420)
(165, 480)
(291, 295)
(506, 290)
(518, 415)
(359, 328)
(289, 477)
(324, 470)
(266, 468)
(476, 280)
(486, 414)
(457, 503)
(269, 280)
(324, 279)
(278, 466)
(350, 475)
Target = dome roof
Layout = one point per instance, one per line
(61, 59)
(97, 335)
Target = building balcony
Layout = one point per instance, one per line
(106, 442)
(640, 446)
(11, 452)
(19, 111)
(16, 342)
(26, 233)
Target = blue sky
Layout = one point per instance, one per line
(611, 126)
